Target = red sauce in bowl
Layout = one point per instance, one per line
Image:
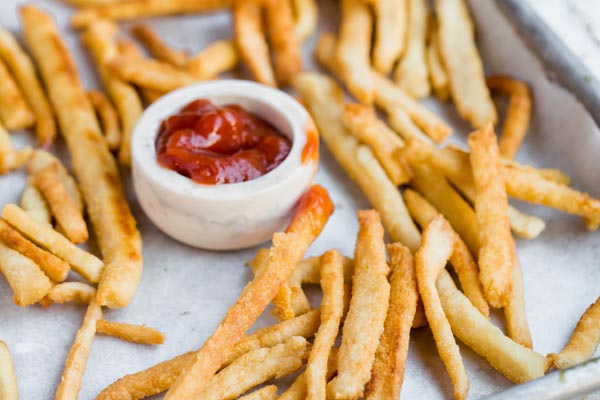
(214, 145)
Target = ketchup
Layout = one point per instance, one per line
(213, 145)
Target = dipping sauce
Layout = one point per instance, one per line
(214, 145)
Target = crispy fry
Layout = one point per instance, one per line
(496, 243)
(430, 260)
(400, 121)
(70, 382)
(516, 317)
(159, 49)
(215, 59)
(437, 72)
(298, 389)
(108, 118)
(514, 361)
(264, 393)
(411, 73)
(368, 307)
(94, 166)
(324, 100)
(363, 123)
(8, 379)
(20, 65)
(285, 46)
(14, 109)
(33, 202)
(584, 340)
(353, 48)
(251, 41)
(306, 16)
(332, 307)
(65, 292)
(160, 377)
(390, 31)
(387, 374)
(518, 114)
(132, 333)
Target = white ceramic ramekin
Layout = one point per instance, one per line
(225, 216)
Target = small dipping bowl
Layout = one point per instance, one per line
(232, 215)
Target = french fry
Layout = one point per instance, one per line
(85, 264)
(387, 373)
(251, 41)
(463, 64)
(159, 49)
(400, 121)
(215, 59)
(437, 72)
(285, 46)
(332, 307)
(496, 243)
(515, 313)
(514, 361)
(10, 158)
(72, 376)
(553, 175)
(430, 260)
(33, 202)
(24, 276)
(583, 342)
(95, 168)
(132, 333)
(390, 31)
(160, 377)
(363, 123)
(353, 48)
(8, 378)
(23, 70)
(108, 118)
(325, 101)
(77, 292)
(264, 393)
(14, 109)
(518, 114)
(54, 267)
(525, 225)
(368, 307)
(306, 16)
(411, 73)
(298, 389)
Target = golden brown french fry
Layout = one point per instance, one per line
(160, 377)
(387, 374)
(132, 333)
(306, 15)
(159, 49)
(584, 340)
(518, 114)
(8, 380)
(325, 101)
(285, 46)
(353, 48)
(94, 166)
(363, 123)
(65, 292)
(14, 109)
(437, 72)
(553, 175)
(514, 361)
(20, 65)
(332, 307)
(33, 202)
(515, 313)
(298, 389)
(215, 59)
(390, 31)
(264, 393)
(108, 118)
(251, 41)
(368, 307)
(430, 260)
(411, 73)
(400, 122)
(491, 204)
(72, 376)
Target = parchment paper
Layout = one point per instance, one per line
(185, 291)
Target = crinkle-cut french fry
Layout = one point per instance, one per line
(33, 202)
(251, 41)
(23, 70)
(461, 259)
(306, 15)
(364, 322)
(285, 46)
(84, 263)
(584, 340)
(400, 121)
(514, 361)
(24, 276)
(129, 332)
(215, 59)
(72, 376)
(491, 204)
(515, 312)
(390, 33)
(93, 164)
(325, 100)
(518, 114)
(158, 48)
(353, 48)
(8, 379)
(14, 109)
(387, 373)
(107, 115)
(463, 64)
(430, 260)
(332, 308)
(363, 123)
(54, 267)
(65, 292)
(437, 72)
(264, 393)
(411, 72)
(298, 389)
